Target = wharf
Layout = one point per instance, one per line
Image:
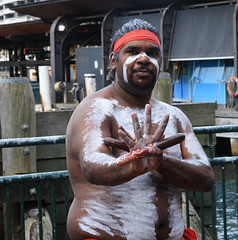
(226, 116)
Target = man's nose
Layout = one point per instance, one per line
(143, 59)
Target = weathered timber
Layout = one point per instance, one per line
(228, 116)
(163, 88)
(200, 114)
(51, 157)
(17, 117)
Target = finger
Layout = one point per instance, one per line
(128, 141)
(161, 128)
(115, 143)
(147, 122)
(120, 127)
(136, 126)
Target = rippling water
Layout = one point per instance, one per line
(231, 211)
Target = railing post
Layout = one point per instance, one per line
(53, 212)
(224, 201)
(39, 209)
(187, 209)
(8, 213)
(213, 197)
(22, 212)
(202, 216)
(66, 202)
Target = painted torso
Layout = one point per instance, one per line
(139, 208)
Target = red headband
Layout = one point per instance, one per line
(134, 36)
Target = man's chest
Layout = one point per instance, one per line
(123, 117)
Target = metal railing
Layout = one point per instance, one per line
(39, 187)
(35, 192)
(222, 162)
(38, 180)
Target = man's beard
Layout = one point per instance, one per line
(147, 86)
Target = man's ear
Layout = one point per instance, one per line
(112, 61)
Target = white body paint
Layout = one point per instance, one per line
(131, 59)
(133, 213)
(175, 213)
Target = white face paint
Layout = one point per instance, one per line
(131, 59)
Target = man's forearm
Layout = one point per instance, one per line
(190, 174)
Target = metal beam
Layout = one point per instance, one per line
(23, 63)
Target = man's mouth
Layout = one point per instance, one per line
(143, 72)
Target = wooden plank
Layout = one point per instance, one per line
(200, 114)
(226, 113)
(227, 121)
(50, 151)
(50, 124)
(54, 164)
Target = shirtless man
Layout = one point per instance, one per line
(140, 200)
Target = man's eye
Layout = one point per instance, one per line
(153, 54)
(133, 52)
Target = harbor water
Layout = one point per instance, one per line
(231, 211)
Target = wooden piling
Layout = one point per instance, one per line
(163, 88)
(17, 120)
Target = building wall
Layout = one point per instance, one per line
(203, 81)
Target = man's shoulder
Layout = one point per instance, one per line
(97, 101)
(99, 96)
(95, 104)
(173, 110)
(165, 106)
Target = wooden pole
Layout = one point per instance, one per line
(17, 119)
(163, 88)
